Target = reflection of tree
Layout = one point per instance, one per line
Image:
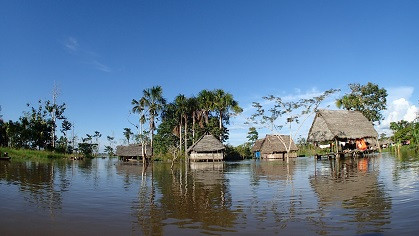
(41, 183)
(196, 198)
(352, 183)
(281, 203)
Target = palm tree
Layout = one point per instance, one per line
(155, 102)
(206, 103)
(127, 134)
(139, 107)
(196, 114)
(224, 104)
(181, 105)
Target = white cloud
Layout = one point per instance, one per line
(398, 108)
(101, 66)
(71, 44)
(86, 57)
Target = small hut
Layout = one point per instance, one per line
(256, 148)
(340, 125)
(275, 147)
(132, 151)
(207, 148)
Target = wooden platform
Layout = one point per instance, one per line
(346, 153)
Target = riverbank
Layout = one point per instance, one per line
(32, 154)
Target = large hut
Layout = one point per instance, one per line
(336, 126)
(275, 147)
(132, 151)
(207, 148)
(256, 148)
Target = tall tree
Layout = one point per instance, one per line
(127, 134)
(252, 135)
(196, 114)
(278, 111)
(139, 107)
(155, 102)
(225, 106)
(369, 99)
(206, 103)
(97, 135)
(65, 127)
(181, 109)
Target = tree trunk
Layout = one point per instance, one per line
(193, 128)
(186, 137)
(180, 136)
(152, 134)
(142, 142)
(221, 125)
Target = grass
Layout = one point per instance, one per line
(32, 154)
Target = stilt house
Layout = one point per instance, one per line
(340, 125)
(275, 147)
(132, 151)
(207, 148)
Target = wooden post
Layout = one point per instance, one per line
(378, 145)
(337, 148)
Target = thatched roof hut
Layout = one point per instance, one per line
(207, 148)
(273, 145)
(258, 144)
(207, 143)
(132, 150)
(330, 125)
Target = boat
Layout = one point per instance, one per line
(5, 157)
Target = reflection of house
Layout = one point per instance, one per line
(132, 151)
(256, 148)
(341, 125)
(353, 185)
(275, 147)
(273, 169)
(207, 148)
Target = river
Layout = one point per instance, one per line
(374, 195)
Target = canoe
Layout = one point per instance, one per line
(6, 158)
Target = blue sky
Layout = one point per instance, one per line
(102, 54)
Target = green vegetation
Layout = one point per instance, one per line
(182, 121)
(32, 154)
(277, 111)
(369, 99)
(406, 133)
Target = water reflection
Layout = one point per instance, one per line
(104, 196)
(352, 184)
(42, 184)
(194, 198)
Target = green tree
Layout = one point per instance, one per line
(109, 151)
(401, 131)
(252, 135)
(97, 135)
(139, 107)
(369, 99)
(206, 103)
(127, 134)
(278, 111)
(225, 106)
(154, 102)
(181, 104)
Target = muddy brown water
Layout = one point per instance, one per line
(374, 195)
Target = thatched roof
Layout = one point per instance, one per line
(258, 144)
(207, 143)
(132, 150)
(329, 125)
(272, 144)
